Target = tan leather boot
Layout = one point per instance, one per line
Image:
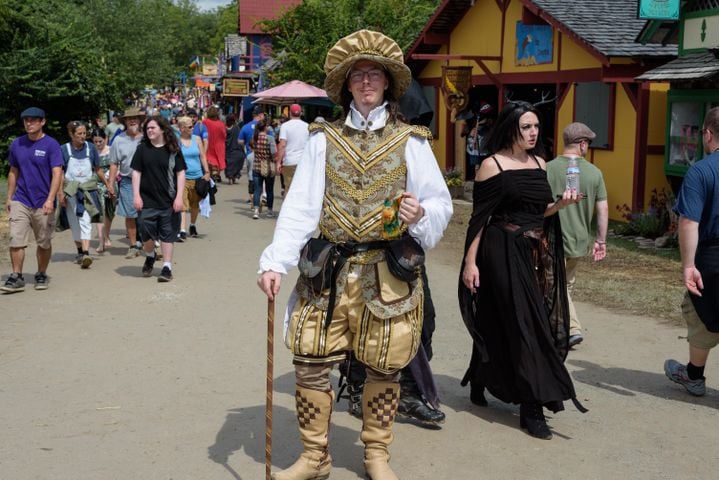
(379, 406)
(314, 409)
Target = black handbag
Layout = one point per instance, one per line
(202, 187)
(317, 260)
(404, 258)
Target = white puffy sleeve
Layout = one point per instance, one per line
(301, 209)
(425, 181)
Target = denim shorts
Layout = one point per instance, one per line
(158, 224)
(124, 199)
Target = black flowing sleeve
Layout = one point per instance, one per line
(556, 299)
(486, 196)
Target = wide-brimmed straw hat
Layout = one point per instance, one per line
(133, 112)
(365, 45)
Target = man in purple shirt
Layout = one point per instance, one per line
(33, 182)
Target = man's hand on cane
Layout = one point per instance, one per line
(269, 282)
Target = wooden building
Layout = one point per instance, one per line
(693, 80)
(580, 57)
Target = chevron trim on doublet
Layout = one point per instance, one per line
(365, 161)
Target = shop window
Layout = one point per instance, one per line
(685, 117)
(593, 106)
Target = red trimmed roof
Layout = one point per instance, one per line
(252, 11)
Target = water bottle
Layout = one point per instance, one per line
(572, 175)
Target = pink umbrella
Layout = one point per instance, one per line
(290, 92)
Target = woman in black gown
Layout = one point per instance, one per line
(234, 153)
(512, 289)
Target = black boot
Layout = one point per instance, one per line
(476, 394)
(415, 407)
(531, 417)
(354, 392)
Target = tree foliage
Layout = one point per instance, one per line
(306, 32)
(226, 24)
(78, 58)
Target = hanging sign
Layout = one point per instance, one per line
(235, 87)
(700, 33)
(659, 9)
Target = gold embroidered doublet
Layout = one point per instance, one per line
(363, 169)
(376, 315)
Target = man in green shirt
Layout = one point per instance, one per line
(584, 224)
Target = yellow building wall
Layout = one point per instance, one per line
(478, 33)
(565, 116)
(575, 57)
(439, 146)
(617, 165)
(513, 15)
(657, 113)
(655, 177)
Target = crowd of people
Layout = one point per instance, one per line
(370, 183)
(157, 165)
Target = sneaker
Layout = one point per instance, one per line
(193, 231)
(147, 267)
(270, 214)
(14, 283)
(86, 262)
(78, 258)
(575, 339)
(180, 239)
(165, 275)
(132, 252)
(256, 213)
(41, 281)
(677, 372)
(183, 236)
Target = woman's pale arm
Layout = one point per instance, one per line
(567, 198)
(470, 273)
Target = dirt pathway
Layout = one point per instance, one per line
(108, 375)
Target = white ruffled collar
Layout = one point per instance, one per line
(377, 118)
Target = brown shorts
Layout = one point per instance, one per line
(288, 172)
(697, 333)
(190, 199)
(24, 220)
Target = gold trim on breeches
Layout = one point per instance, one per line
(384, 344)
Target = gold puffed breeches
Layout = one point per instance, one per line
(381, 339)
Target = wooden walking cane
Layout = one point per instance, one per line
(268, 404)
